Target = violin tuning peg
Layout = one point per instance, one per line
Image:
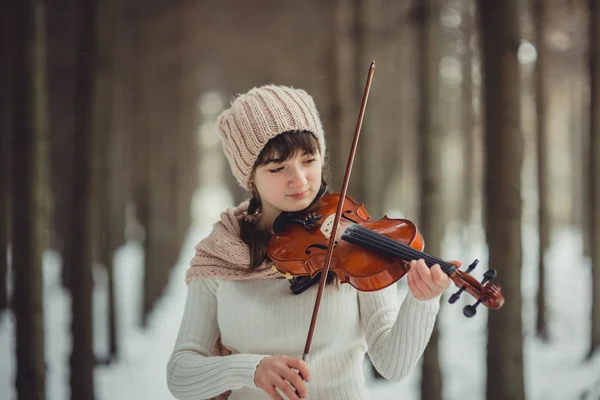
(472, 266)
(471, 310)
(490, 274)
(456, 296)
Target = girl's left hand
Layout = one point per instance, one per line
(426, 283)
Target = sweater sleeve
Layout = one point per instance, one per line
(192, 371)
(396, 335)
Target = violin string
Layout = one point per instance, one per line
(355, 235)
(377, 241)
(405, 250)
(396, 249)
(401, 246)
(390, 249)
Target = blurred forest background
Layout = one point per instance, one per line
(483, 118)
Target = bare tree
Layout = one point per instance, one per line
(341, 91)
(6, 128)
(500, 40)
(4, 214)
(27, 141)
(430, 144)
(594, 173)
(61, 27)
(105, 235)
(468, 204)
(585, 162)
(79, 259)
(350, 71)
(539, 15)
(162, 149)
(144, 69)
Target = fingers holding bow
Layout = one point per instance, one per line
(427, 283)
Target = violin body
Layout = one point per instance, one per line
(301, 251)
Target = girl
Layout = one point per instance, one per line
(244, 325)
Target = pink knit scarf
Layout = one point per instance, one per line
(223, 254)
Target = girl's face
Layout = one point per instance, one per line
(288, 185)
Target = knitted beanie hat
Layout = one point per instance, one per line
(259, 115)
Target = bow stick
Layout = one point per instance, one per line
(336, 220)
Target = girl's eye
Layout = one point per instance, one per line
(310, 160)
(275, 170)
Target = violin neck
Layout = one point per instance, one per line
(375, 241)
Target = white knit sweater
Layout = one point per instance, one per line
(263, 317)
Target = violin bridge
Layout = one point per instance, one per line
(327, 226)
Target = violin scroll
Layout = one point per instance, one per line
(487, 294)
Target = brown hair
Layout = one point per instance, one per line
(281, 148)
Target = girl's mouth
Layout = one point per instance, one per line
(298, 196)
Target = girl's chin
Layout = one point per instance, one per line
(293, 205)
(296, 206)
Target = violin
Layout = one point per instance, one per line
(369, 255)
(335, 234)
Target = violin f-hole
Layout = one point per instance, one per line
(320, 246)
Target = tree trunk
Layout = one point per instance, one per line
(500, 40)
(341, 54)
(539, 14)
(4, 193)
(105, 239)
(140, 148)
(430, 144)
(79, 260)
(410, 165)
(343, 89)
(574, 125)
(62, 51)
(468, 205)
(7, 48)
(594, 173)
(187, 156)
(358, 185)
(148, 172)
(160, 245)
(28, 161)
(352, 68)
(375, 155)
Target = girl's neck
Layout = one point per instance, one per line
(267, 217)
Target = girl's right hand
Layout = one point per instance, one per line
(275, 372)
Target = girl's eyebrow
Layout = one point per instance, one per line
(279, 160)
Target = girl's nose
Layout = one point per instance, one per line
(298, 178)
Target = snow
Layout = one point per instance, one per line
(553, 370)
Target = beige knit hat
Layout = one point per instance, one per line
(259, 115)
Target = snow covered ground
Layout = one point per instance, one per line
(553, 370)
